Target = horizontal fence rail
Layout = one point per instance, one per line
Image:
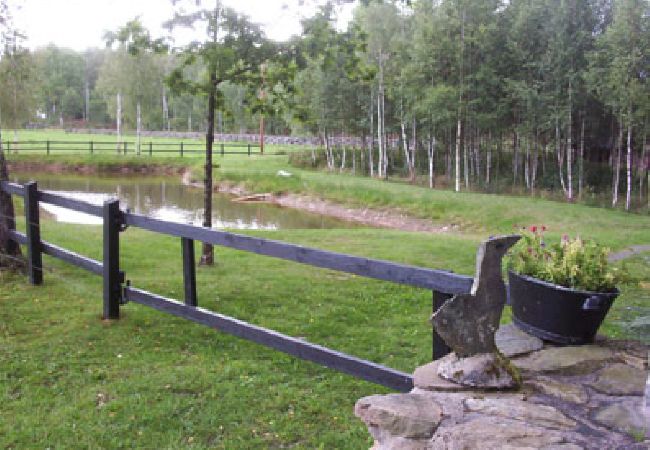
(128, 147)
(437, 280)
(293, 346)
(442, 283)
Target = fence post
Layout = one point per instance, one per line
(47, 146)
(150, 148)
(112, 279)
(92, 147)
(440, 348)
(249, 149)
(189, 272)
(181, 149)
(126, 146)
(33, 228)
(222, 150)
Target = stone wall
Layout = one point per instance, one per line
(582, 397)
(248, 138)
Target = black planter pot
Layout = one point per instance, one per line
(556, 313)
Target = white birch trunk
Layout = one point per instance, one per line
(138, 127)
(628, 193)
(459, 130)
(617, 167)
(119, 121)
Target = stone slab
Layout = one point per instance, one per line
(485, 371)
(626, 417)
(571, 360)
(528, 412)
(426, 377)
(620, 379)
(490, 433)
(405, 415)
(511, 341)
(571, 393)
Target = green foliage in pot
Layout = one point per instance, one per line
(573, 263)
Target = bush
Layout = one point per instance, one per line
(573, 263)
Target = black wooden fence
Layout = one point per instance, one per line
(124, 148)
(117, 291)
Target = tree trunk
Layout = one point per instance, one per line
(569, 148)
(380, 140)
(165, 107)
(560, 155)
(138, 126)
(488, 161)
(643, 165)
(617, 166)
(581, 167)
(414, 150)
(628, 161)
(431, 154)
(459, 126)
(207, 254)
(459, 130)
(535, 162)
(371, 147)
(119, 121)
(9, 251)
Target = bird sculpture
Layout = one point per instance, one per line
(468, 322)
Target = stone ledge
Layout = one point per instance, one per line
(589, 397)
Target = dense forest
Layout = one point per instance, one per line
(535, 94)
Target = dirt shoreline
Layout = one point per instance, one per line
(384, 218)
(88, 169)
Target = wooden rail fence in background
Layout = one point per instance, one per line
(123, 148)
(117, 291)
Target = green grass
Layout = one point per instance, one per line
(67, 379)
(473, 213)
(151, 380)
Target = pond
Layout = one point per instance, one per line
(166, 198)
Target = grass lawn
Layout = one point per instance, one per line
(67, 379)
(150, 380)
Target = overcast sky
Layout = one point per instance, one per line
(79, 24)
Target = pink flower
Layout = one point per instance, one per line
(533, 229)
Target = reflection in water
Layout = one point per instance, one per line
(168, 199)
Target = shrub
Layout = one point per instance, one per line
(573, 263)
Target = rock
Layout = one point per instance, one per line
(486, 371)
(426, 377)
(574, 360)
(620, 379)
(406, 415)
(627, 417)
(512, 408)
(567, 392)
(511, 341)
(490, 433)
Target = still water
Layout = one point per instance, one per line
(168, 199)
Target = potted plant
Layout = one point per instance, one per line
(560, 292)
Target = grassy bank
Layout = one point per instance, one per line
(482, 214)
(472, 214)
(150, 380)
